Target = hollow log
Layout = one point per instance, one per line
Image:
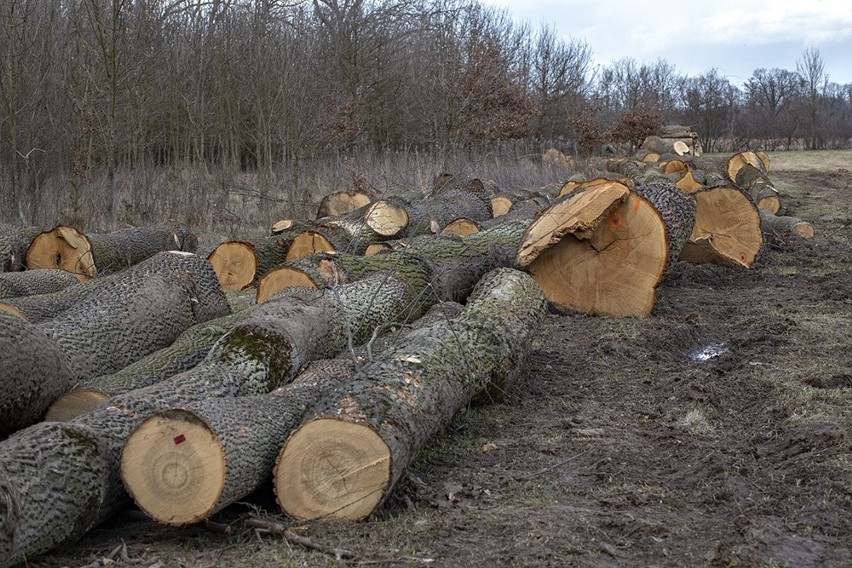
(727, 228)
(34, 374)
(188, 350)
(228, 446)
(89, 255)
(135, 313)
(604, 249)
(345, 460)
(759, 187)
(34, 282)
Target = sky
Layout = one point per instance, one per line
(735, 37)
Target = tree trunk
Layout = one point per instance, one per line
(137, 312)
(603, 249)
(187, 351)
(347, 458)
(34, 282)
(34, 374)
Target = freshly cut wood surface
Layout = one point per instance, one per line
(579, 215)
(65, 248)
(461, 227)
(341, 202)
(727, 228)
(606, 249)
(235, 264)
(279, 278)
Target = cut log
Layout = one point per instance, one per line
(89, 255)
(43, 307)
(688, 179)
(447, 266)
(753, 181)
(187, 351)
(257, 356)
(234, 263)
(345, 461)
(34, 282)
(34, 374)
(137, 312)
(740, 160)
(341, 203)
(727, 228)
(227, 447)
(461, 227)
(603, 250)
(780, 225)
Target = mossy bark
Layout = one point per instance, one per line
(418, 385)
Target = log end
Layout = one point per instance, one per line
(330, 468)
(62, 247)
(13, 311)
(771, 203)
(386, 219)
(173, 467)
(281, 226)
(74, 403)
(235, 264)
(461, 227)
(500, 205)
(279, 278)
(377, 248)
(307, 243)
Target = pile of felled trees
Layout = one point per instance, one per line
(355, 352)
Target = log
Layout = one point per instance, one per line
(781, 225)
(228, 446)
(135, 313)
(727, 228)
(89, 255)
(42, 307)
(257, 356)
(234, 263)
(450, 265)
(34, 374)
(188, 350)
(754, 182)
(341, 202)
(461, 227)
(14, 242)
(604, 249)
(359, 441)
(34, 282)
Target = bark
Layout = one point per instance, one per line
(359, 441)
(187, 351)
(136, 312)
(782, 225)
(754, 182)
(13, 247)
(34, 374)
(33, 282)
(42, 307)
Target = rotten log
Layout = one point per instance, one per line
(188, 350)
(604, 249)
(101, 253)
(34, 374)
(228, 446)
(346, 460)
(136, 312)
(35, 282)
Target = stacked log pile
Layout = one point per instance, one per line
(172, 384)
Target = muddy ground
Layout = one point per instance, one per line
(717, 432)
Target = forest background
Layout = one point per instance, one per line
(224, 114)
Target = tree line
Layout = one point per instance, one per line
(90, 88)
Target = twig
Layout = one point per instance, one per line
(293, 538)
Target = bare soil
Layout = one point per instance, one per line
(717, 432)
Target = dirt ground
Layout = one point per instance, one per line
(717, 432)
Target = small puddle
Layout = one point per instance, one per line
(709, 351)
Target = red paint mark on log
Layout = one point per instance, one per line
(179, 439)
(615, 219)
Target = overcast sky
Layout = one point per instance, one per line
(734, 36)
